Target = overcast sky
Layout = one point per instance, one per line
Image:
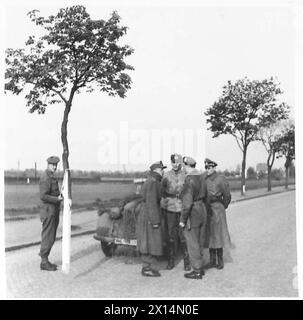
(183, 57)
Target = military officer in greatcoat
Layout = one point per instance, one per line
(218, 199)
(149, 232)
(172, 184)
(193, 216)
(49, 213)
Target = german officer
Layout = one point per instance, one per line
(49, 214)
(172, 184)
(218, 200)
(193, 216)
(149, 233)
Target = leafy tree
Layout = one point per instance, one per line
(75, 54)
(277, 174)
(286, 145)
(292, 171)
(269, 136)
(243, 108)
(251, 173)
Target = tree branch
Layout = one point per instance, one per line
(237, 139)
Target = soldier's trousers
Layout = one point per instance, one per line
(195, 238)
(148, 260)
(172, 229)
(48, 234)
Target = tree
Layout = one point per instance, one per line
(75, 54)
(269, 136)
(286, 145)
(243, 108)
(251, 173)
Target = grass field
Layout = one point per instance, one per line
(27, 196)
(24, 199)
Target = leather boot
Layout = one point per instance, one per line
(149, 272)
(220, 258)
(194, 275)
(47, 266)
(171, 256)
(212, 259)
(185, 254)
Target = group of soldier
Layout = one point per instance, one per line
(181, 207)
(187, 208)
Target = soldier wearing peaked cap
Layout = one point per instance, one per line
(218, 199)
(172, 184)
(193, 216)
(149, 232)
(49, 213)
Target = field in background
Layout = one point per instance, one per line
(24, 199)
(27, 196)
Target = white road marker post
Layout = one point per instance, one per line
(66, 224)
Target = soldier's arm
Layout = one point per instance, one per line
(226, 193)
(187, 201)
(164, 187)
(45, 188)
(152, 203)
(204, 189)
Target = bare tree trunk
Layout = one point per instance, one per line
(243, 190)
(268, 178)
(270, 162)
(286, 176)
(64, 141)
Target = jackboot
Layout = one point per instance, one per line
(185, 254)
(171, 256)
(220, 258)
(212, 259)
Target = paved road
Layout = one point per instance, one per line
(18, 233)
(262, 264)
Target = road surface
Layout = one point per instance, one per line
(261, 264)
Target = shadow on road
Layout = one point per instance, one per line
(92, 268)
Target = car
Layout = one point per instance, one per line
(116, 226)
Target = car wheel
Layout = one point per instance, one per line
(108, 248)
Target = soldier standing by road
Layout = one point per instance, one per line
(171, 204)
(193, 216)
(149, 233)
(49, 214)
(218, 199)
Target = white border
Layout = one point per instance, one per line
(297, 8)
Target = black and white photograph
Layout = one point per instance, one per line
(150, 150)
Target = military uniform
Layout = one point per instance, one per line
(149, 233)
(171, 205)
(218, 199)
(50, 209)
(193, 216)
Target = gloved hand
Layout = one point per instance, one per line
(156, 226)
(181, 224)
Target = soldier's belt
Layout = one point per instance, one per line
(172, 196)
(199, 199)
(212, 200)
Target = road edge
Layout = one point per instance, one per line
(87, 232)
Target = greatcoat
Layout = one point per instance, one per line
(149, 239)
(218, 199)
